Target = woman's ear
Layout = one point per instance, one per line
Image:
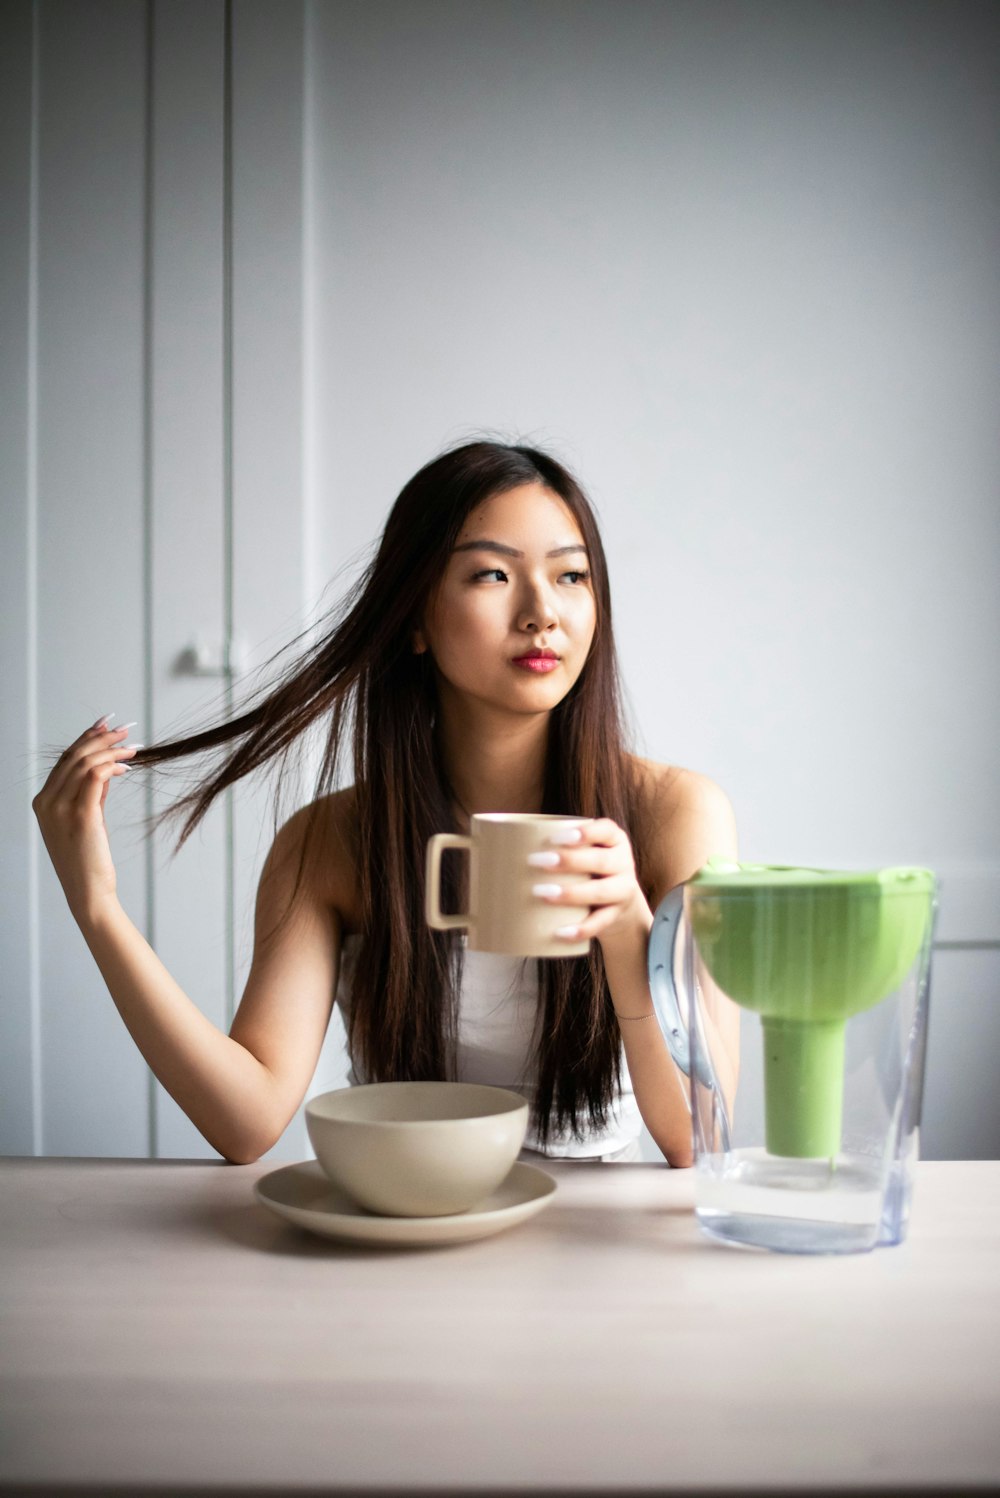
(419, 643)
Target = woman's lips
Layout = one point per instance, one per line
(539, 663)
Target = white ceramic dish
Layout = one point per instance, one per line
(417, 1149)
(304, 1195)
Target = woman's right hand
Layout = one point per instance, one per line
(70, 812)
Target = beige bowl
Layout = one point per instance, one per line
(417, 1149)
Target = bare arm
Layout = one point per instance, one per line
(695, 821)
(239, 1090)
(691, 819)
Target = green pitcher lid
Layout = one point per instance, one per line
(726, 874)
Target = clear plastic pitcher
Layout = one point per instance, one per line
(804, 1047)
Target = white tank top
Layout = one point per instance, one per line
(496, 1020)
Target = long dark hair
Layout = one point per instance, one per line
(365, 673)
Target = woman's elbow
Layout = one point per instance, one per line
(241, 1157)
(247, 1149)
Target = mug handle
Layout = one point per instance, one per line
(436, 917)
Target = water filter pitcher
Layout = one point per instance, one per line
(796, 1002)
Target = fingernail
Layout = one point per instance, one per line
(546, 891)
(568, 931)
(105, 718)
(543, 860)
(561, 835)
(131, 748)
(122, 726)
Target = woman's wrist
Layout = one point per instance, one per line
(624, 947)
(96, 913)
(629, 934)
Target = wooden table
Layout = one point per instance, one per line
(163, 1333)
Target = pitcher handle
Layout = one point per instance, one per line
(436, 917)
(661, 955)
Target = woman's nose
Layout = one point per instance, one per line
(538, 611)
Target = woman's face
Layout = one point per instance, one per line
(517, 583)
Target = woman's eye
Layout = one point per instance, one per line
(499, 572)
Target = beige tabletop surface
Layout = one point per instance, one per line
(162, 1332)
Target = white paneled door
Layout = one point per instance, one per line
(153, 521)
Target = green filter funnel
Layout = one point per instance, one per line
(805, 949)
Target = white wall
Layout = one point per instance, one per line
(733, 262)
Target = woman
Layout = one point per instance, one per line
(490, 558)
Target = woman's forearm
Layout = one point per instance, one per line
(225, 1091)
(660, 1088)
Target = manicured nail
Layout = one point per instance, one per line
(546, 891)
(561, 835)
(123, 726)
(568, 931)
(105, 719)
(130, 748)
(543, 860)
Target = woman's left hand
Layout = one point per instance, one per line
(602, 849)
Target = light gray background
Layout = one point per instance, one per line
(734, 262)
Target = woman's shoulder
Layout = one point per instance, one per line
(671, 789)
(330, 818)
(688, 817)
(325, 830)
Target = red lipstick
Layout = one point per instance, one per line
(540, 661)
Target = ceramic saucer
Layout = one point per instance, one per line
(304, 1195)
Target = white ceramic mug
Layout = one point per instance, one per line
(503, 914)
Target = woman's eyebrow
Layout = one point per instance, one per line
(510, 551)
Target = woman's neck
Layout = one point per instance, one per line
(500, 769)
